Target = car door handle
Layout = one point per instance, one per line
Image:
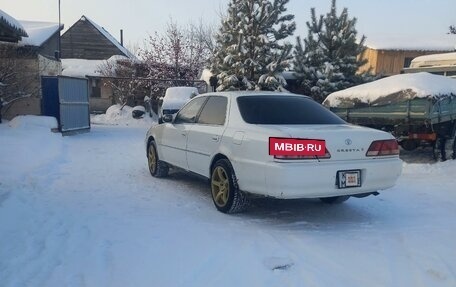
(184, 134)
(215, 138)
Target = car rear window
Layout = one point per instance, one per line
(284, 110)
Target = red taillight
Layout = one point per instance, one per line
(326, 156)
(382, 148)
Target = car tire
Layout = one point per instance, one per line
(335, 199)
(157, 168)
(225, 191)
(409, 145)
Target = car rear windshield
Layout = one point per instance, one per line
(284, 110)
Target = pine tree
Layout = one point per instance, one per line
(226, 62)
(333, 40)
(250, 52)
(309, 57)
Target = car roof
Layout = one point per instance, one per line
(235, 94)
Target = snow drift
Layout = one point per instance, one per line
(116, 115)
(31, 122)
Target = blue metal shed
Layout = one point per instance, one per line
(67, 99)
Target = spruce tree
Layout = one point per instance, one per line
(333, 40)
(226, 62)
(250, 51)
(309, 57)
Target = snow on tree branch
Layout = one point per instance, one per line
(250, 50)
(328, 59)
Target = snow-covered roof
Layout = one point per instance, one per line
(39, 32)
(444, 42)
(444, 59)
(393, 89)
(110, 38)
(13, 23)
(82, 68)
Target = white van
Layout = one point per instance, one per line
(175, 98)
(439, 64)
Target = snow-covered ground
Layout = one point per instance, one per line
(84, 211)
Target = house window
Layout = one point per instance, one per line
(96, 88)
(407, 61)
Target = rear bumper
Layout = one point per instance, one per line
(290, 180)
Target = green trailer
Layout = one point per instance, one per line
(414, 119)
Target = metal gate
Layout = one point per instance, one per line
(67, 99)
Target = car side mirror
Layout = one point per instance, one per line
(168, 118)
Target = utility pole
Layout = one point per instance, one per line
(59, 53)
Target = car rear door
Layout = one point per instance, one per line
(205, 136)
(174, 138)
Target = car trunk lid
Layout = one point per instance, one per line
(344, 142)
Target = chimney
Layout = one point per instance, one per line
(121, 37)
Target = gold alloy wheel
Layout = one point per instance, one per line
(152, 158)
(220, 186)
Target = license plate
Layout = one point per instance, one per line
(349, 178)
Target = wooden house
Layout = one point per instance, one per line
(390, 55)
(26, 53)
(86, 47)
(85, 39)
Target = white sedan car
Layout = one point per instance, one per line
(225, 137)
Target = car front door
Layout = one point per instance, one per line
(174, 138)
(205, 136)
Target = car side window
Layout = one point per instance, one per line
(190, 111)
(214, 111)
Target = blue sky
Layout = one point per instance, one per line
(138, 18)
